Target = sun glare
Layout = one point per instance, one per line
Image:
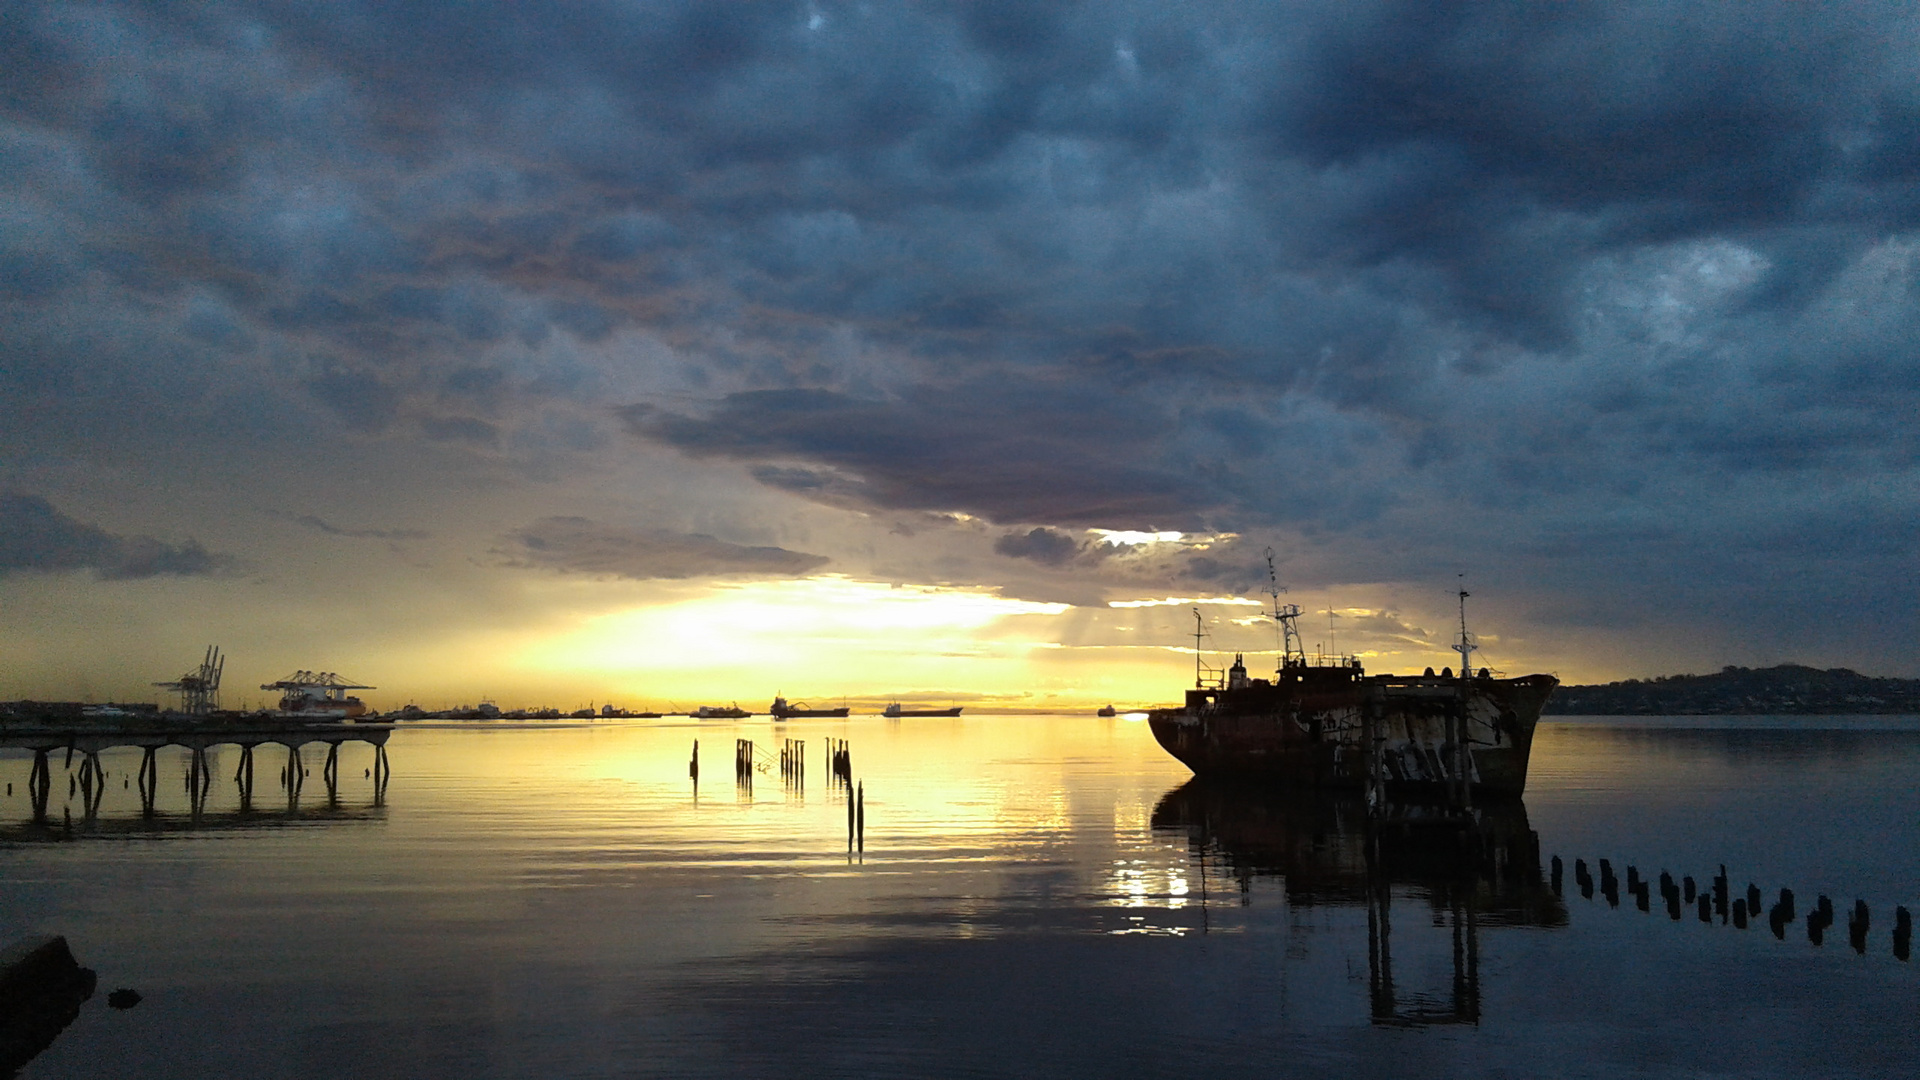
(1128, 538)
(1235, 601)
(811, 635)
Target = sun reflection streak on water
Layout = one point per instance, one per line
(522, 865)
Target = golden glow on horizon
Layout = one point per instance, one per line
(825, 636)
(1235, 601)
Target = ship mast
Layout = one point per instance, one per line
(1466, 646)
(1283, 619)
(1198, 632)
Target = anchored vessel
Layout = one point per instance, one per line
(1331, 725)
(719, 712)
(781, 709)
(896, 709)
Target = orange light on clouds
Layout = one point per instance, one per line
(825, 636)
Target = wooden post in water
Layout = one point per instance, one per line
(860, 815)
(1373, 745)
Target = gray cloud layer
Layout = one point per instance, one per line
(36, 537)
(1614, 302)
(577, 545)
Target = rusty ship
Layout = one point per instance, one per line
(1329, 725)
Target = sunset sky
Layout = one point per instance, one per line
(656, 352)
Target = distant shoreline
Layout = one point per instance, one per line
(1783, 690)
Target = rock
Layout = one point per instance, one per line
(41, 990)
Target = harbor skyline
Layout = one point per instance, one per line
(588, 352)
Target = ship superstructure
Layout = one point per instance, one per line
(318, 694)
(1331, 725)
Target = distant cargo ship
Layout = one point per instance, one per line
(1331, 725)
(719, 712)
(318, 695)
(897, 710)
(781, 710)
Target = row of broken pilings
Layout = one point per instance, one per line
(840, 772)
(793, 771)
(1718, 901)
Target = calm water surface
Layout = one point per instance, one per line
(1036, 896)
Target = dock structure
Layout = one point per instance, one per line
(197, 736)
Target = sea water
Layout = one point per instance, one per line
(564, 899)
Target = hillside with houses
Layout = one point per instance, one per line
(1736, 691)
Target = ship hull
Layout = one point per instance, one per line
(1310, 732)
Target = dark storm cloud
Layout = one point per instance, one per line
(577, 545)
(1005, 451)
(1414, 282)
(36, 537)
(321, 525)
(1042, 545)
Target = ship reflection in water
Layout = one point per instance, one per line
(1468, 870)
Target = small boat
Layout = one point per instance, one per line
(720, 712)
(897, 710)
(1107, 710)
(781, 710)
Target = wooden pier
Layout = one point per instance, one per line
(197, 736)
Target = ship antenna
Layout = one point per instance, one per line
(1198, 631)
(1274, 590)
(1466, 646)
(1283, 618)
